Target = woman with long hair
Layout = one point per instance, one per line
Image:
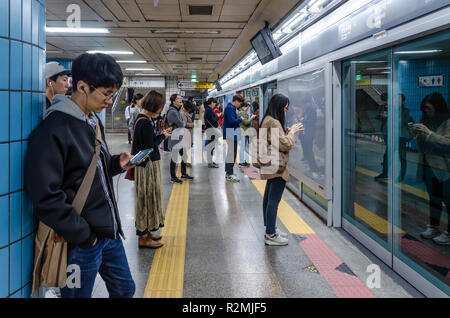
(433, 135)
(134, 111)
(274, 122)
(149, 215)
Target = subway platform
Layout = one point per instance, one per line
(214, 247)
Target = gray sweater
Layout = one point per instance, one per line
(175, 121)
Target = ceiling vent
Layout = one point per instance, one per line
(200, 10)
(196, 59)
(171, 41)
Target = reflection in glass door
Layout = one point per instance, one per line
(269, 90)
(366, 140)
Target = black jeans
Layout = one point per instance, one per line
(439, 192)
(272, 197)
(173, 167)
(231, 156)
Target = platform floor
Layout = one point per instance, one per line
(214, 245)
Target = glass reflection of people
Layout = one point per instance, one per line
(433, 139)
(383, 116)
(307, 138)
(405, 136)
(255, 109)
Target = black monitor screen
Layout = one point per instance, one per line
(265, 46)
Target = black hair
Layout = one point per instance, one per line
(97, 70)
(210, 101)
(173, 97)
(191, 98)
(255, 106)
(189, 106)
(275, 109)
(239, 98)
(137, 97)
(440, 109)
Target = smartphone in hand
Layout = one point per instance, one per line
(139, 157)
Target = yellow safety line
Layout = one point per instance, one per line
(376, 222)
(167, 272)
(291, 220)
(417, 192)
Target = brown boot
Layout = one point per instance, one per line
(155, 237)
(146, 241)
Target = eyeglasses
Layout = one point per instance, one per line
(107, 98)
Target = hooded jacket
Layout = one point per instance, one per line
(59, 153)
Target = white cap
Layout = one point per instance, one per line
(54, 68)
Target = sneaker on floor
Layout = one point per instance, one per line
(430, 232)
(187, 177)
(213, 165)
(176, 180)
(281, 233)
(276, 240)
(443, 239)
(232, 178)
(242, 165)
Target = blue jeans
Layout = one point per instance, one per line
(108, 258)
(272, 197)
(244, 141)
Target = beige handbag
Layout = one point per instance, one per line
(50, 260)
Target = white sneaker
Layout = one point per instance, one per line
(281, 233)
(232, 178)
(443, 239)
(430, 232)
(276, 240)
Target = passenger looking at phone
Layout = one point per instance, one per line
(245, 124)
(60, 151)
(433, 138)
(135, 111)
(149, 214)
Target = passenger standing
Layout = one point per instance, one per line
(255, 122)
(59, 153)
(211, 122)
(230, 120)
(433, 134)
(149, 216)
(187, 112)
(163, 115)
(176, 122)
(245, 132)
(219, 113)
(274, 122)
(127, 117)
(135, 111)
(57, 81)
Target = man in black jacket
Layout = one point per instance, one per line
(59, 153)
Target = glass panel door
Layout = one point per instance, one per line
(422, 157)
(366, 143)
(269, 90)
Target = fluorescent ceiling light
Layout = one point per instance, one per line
(418, 52)
(112, 52)
(141, 74)
(139, 69)
(177, 31)
(132, 62)
(75, 30)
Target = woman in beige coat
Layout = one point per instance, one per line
(274, 123)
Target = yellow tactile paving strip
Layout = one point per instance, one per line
(376, 222)
(291, 220)
(167, 272)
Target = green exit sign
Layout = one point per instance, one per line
(358, 77)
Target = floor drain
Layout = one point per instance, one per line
(312, 269)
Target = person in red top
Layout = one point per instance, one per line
(219, 114)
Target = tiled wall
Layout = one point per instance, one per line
(22, 56)
(409, 80)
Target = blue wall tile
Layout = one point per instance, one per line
(26, 20)
(4, 173)
(26, 291)
(35, 7)
(4, 113)
(4, 272)
(35, 105)
(15, 28)
(41, 31)
(4, 65)
(15, 155)
(35, 69)
(4, 18)
(26, 65)
(26, 115)
(27, 215)
(27, 259)
(17, 294)
(15, 213)
(15, 267)
(16, 65)
(4, 221)
(15, 111)
(41, 79)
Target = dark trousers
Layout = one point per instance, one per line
(272, 197)
(173, 167)
(231, 156)
(402, 154)
(439, 192)
(166, 144)
(108, 258)
(308, 154)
